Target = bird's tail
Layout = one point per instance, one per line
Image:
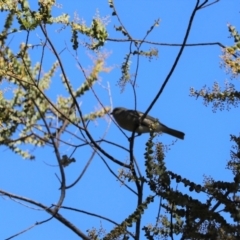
(172, 132)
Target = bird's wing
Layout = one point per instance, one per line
(134, 115)
(147, 121)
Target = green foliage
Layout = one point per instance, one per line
(91, 79)
(66, 161)
(125, 68)
(121, 229)
(153, 52)
(25, 116)
(230, 96)
(29, 20)
(221, 99)
(184, 213)
(28, 103)
(231, 57)
(96, 31)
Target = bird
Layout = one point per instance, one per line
(131, 120)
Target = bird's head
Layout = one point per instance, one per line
(118, 110)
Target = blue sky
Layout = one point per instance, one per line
(204, 151)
